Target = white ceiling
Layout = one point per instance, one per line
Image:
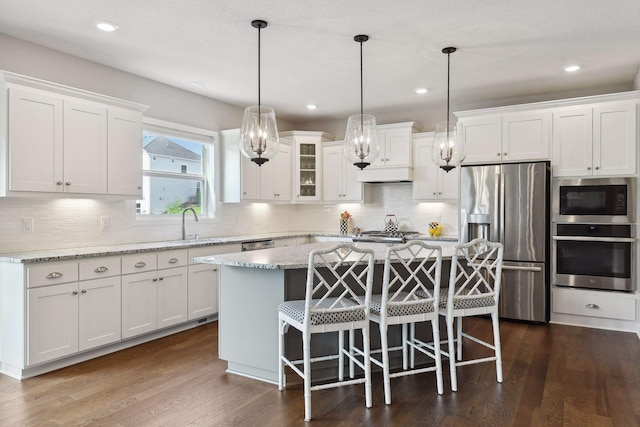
(506, 49)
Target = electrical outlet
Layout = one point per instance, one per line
(104, 222)
(27, 225)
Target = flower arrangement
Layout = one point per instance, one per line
(344, 222)
(345, 215)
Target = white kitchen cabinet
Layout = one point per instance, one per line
(203, 281)
(272, 180)
(307, 170)
(125, 153)
(595, 139)
(64, 318)
(156, 296)
(395, 144)
(507, 137)
(339, 177)
(431, 182)
(61, 140)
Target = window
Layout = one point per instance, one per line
(177, 170)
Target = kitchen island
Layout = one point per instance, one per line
(252, 284)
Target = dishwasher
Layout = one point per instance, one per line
(257, 244)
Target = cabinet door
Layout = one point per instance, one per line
(308, 171)
(85, 148)
(448, 183)
(425, 178)
(99, 312)
(615, 139)
(525, 136)
(172, 296)
(352, 188)
(52, 322)
(282, 173)
(397, 148)
(124, 171)
(203, 290)
(35, 141)
(572, 138)
(250, 179)
(332, 173)
(139, 303)
(483, 139)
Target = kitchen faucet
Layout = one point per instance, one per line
(184, 234)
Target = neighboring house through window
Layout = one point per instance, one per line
(177, 170)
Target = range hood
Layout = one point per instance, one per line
(386, 174)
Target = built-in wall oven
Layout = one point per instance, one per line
(594, 234)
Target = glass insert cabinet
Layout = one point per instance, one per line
(307, 185)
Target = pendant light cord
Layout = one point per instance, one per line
(259, 29)
(361, 83)
(448, 78)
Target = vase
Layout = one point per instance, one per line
(344, 226)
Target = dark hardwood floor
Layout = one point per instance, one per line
(553, 376)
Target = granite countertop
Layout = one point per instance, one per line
(133, 248)
(296, 257)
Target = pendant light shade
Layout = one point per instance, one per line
(448, 148)
(361, 137)
(259, 132)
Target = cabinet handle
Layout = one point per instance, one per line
(101, 269)
(54, 275)
(84, 291)
(67, 183)
(593, 306)
(59, 183)
(140, 264)
(173, 260)
(74, 293)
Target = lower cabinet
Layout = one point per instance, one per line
(64, 319)
(154, 298)
(203, 290)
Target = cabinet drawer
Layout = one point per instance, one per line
(139, 262)
(594, 304)
(169, 259)
(52, 274)
(99, 267)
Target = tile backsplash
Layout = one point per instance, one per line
(67, 223)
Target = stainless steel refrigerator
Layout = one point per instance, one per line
(508, 203)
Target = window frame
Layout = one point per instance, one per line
(211, 167)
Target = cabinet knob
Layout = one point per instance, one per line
(597, 167)
(74, 293)
(161, 278)
(154, 280)
(215, 269)
(67, 183)
(434, 193)
(59, 183)
(84, 291)
(504, 154)
(498, 154)
(588, 168)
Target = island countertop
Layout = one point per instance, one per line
(295, 257)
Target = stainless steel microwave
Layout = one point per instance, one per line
(594, 200)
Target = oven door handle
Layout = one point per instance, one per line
(596, 239)
(513, 267)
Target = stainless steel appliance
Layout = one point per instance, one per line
(594, 237)
(594, 200)
(257, 245)
(596, 256)
(509, 204)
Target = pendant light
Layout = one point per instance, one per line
(361, 136)
(259, 132)
(448, 149)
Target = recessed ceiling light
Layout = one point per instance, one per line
(197, 84)
(311, 106)
(106, 26)
(422, 90)
(572, 68)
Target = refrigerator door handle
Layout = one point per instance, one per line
(516, 268)
(501, 213)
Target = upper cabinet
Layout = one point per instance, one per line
(394, 161)
(307, 171)
(339, 177)
(272, 180)
(595, 139)
(52, 142)
(431, 182)
(506, 137)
